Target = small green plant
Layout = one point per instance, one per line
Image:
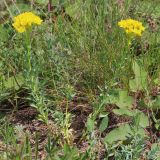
(154, 153)
(134, 150)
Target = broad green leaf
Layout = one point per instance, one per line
(124, 100)
(90, 124)
(119, 134)
(142, 119)
(124, 111)
(14, 81)
(104, 124)
(139, 131)
(140, 81)
(139, 71)
(132, 85)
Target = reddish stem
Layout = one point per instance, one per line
(50, 6)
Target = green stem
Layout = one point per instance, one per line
(28, 46)
(66, 122)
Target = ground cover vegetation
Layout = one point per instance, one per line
(79, 80)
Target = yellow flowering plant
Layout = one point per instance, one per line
(23, 24)
(25, 20)
(132, 28)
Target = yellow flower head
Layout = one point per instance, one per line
(25, 20)
(132, 27)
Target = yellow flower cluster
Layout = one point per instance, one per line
(25, 20)
(132, 27)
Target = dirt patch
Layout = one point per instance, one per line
(80, 109)
(26, 119)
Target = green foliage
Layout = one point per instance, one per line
(140, 81)
(77, 54)
(154, 153)
(104, 122)
(90, 124)
(141, 119)
(14, 82)
(119, 134)
(132, 151)
(123, 112)
(125, 131)
(156, 103)
(124, 100)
